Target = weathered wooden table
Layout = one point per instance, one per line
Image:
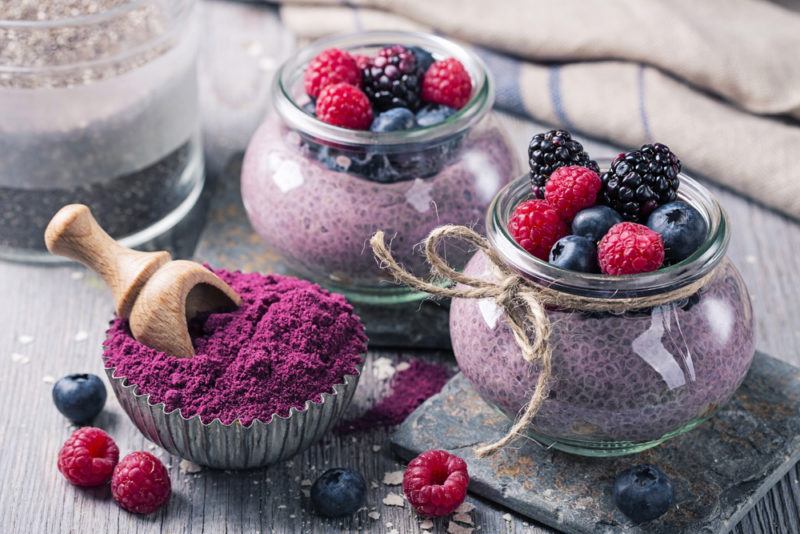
(53, 319)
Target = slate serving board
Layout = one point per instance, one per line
(720, 470)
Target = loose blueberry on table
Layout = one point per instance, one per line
(399, 88)
(79, 397)
(604, 212)
(338, 492)
(643, 493)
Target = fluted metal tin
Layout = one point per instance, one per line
(235, 446)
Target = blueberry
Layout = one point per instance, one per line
(643, 493)
(424, 58)
(394, 119)
(310, 108)
(682, 229)
(575, 253)
(433, 114)
(594, 222)
(79, 397)
(338, 492)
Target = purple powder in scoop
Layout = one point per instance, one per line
(289, 342)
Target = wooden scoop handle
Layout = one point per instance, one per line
(74, 233)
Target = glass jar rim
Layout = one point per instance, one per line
(292, 113)
(675, 276)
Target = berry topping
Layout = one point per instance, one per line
(630, 248)
(344, 105)
(594, 222)
(435, 483)
(535, 225)
(643, 493)
(433, 114)
(548, 151)
(575, 253)
(338, 492)
(447, 82)
(140, 483)
(394, 119)
(392, 79)
(424, 58)
(641, 180)
(572, 188)
(362, 61)
(681, 227)
(88, 457)
(79, 397)
(329, 67)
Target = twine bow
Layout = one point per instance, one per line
(524, 304)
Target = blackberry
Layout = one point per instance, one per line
(641, 180)
(392, 79)
(550, 150)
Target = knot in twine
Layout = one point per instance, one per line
(523, 302)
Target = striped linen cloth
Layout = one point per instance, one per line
(716, 80)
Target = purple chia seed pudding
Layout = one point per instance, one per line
(316, 193)
(625, 382)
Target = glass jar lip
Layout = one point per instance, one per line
(77, 20)
(700, 263)
(292, 113)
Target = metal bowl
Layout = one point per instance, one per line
(235, 446)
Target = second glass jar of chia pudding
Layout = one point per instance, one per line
(621, 382)
(98, 106)
(316, 192)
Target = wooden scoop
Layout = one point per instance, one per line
(158, 295)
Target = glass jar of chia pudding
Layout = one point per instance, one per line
(316, 192)
(98, 106)
(621, 382)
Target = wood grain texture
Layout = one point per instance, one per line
(54, 318)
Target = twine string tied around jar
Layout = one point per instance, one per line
(523, 302)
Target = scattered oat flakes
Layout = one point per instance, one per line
(76, 275)
(393, 478)
(306, 493)
(376, 448)
(394, 531)
(48, 379)
(389, 524)
(306, 482)
(402, 366)
(25, 340)
(82, 335)
(254, 48)
(16, 357)
(374, 485)
(507, 517)
(426, 525)
(455, 528)
(463, 518)
(292, 516)
(281, 507)
(382, 368)
(189, 467)
(393, 499)
(374, 515)
(465, 508)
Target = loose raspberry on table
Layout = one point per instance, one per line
(536, 226)
(329, 67)
(447, 82)
(141, 483)
(88, 457)
(571, 189)
(344, 105)
(435, 483)
(630, 248)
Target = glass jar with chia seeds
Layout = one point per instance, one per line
(621, 382)
(316, 193)
(98, 105)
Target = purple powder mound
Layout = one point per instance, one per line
(289, 342)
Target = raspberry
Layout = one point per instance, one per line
(548, 151)
(344, 105)
(329, 67)
(571, 189)
(141, 483)
(536, 226)
(447, 82)
(88, 457)
(630, 248)
(435, 483)
(362, 61)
